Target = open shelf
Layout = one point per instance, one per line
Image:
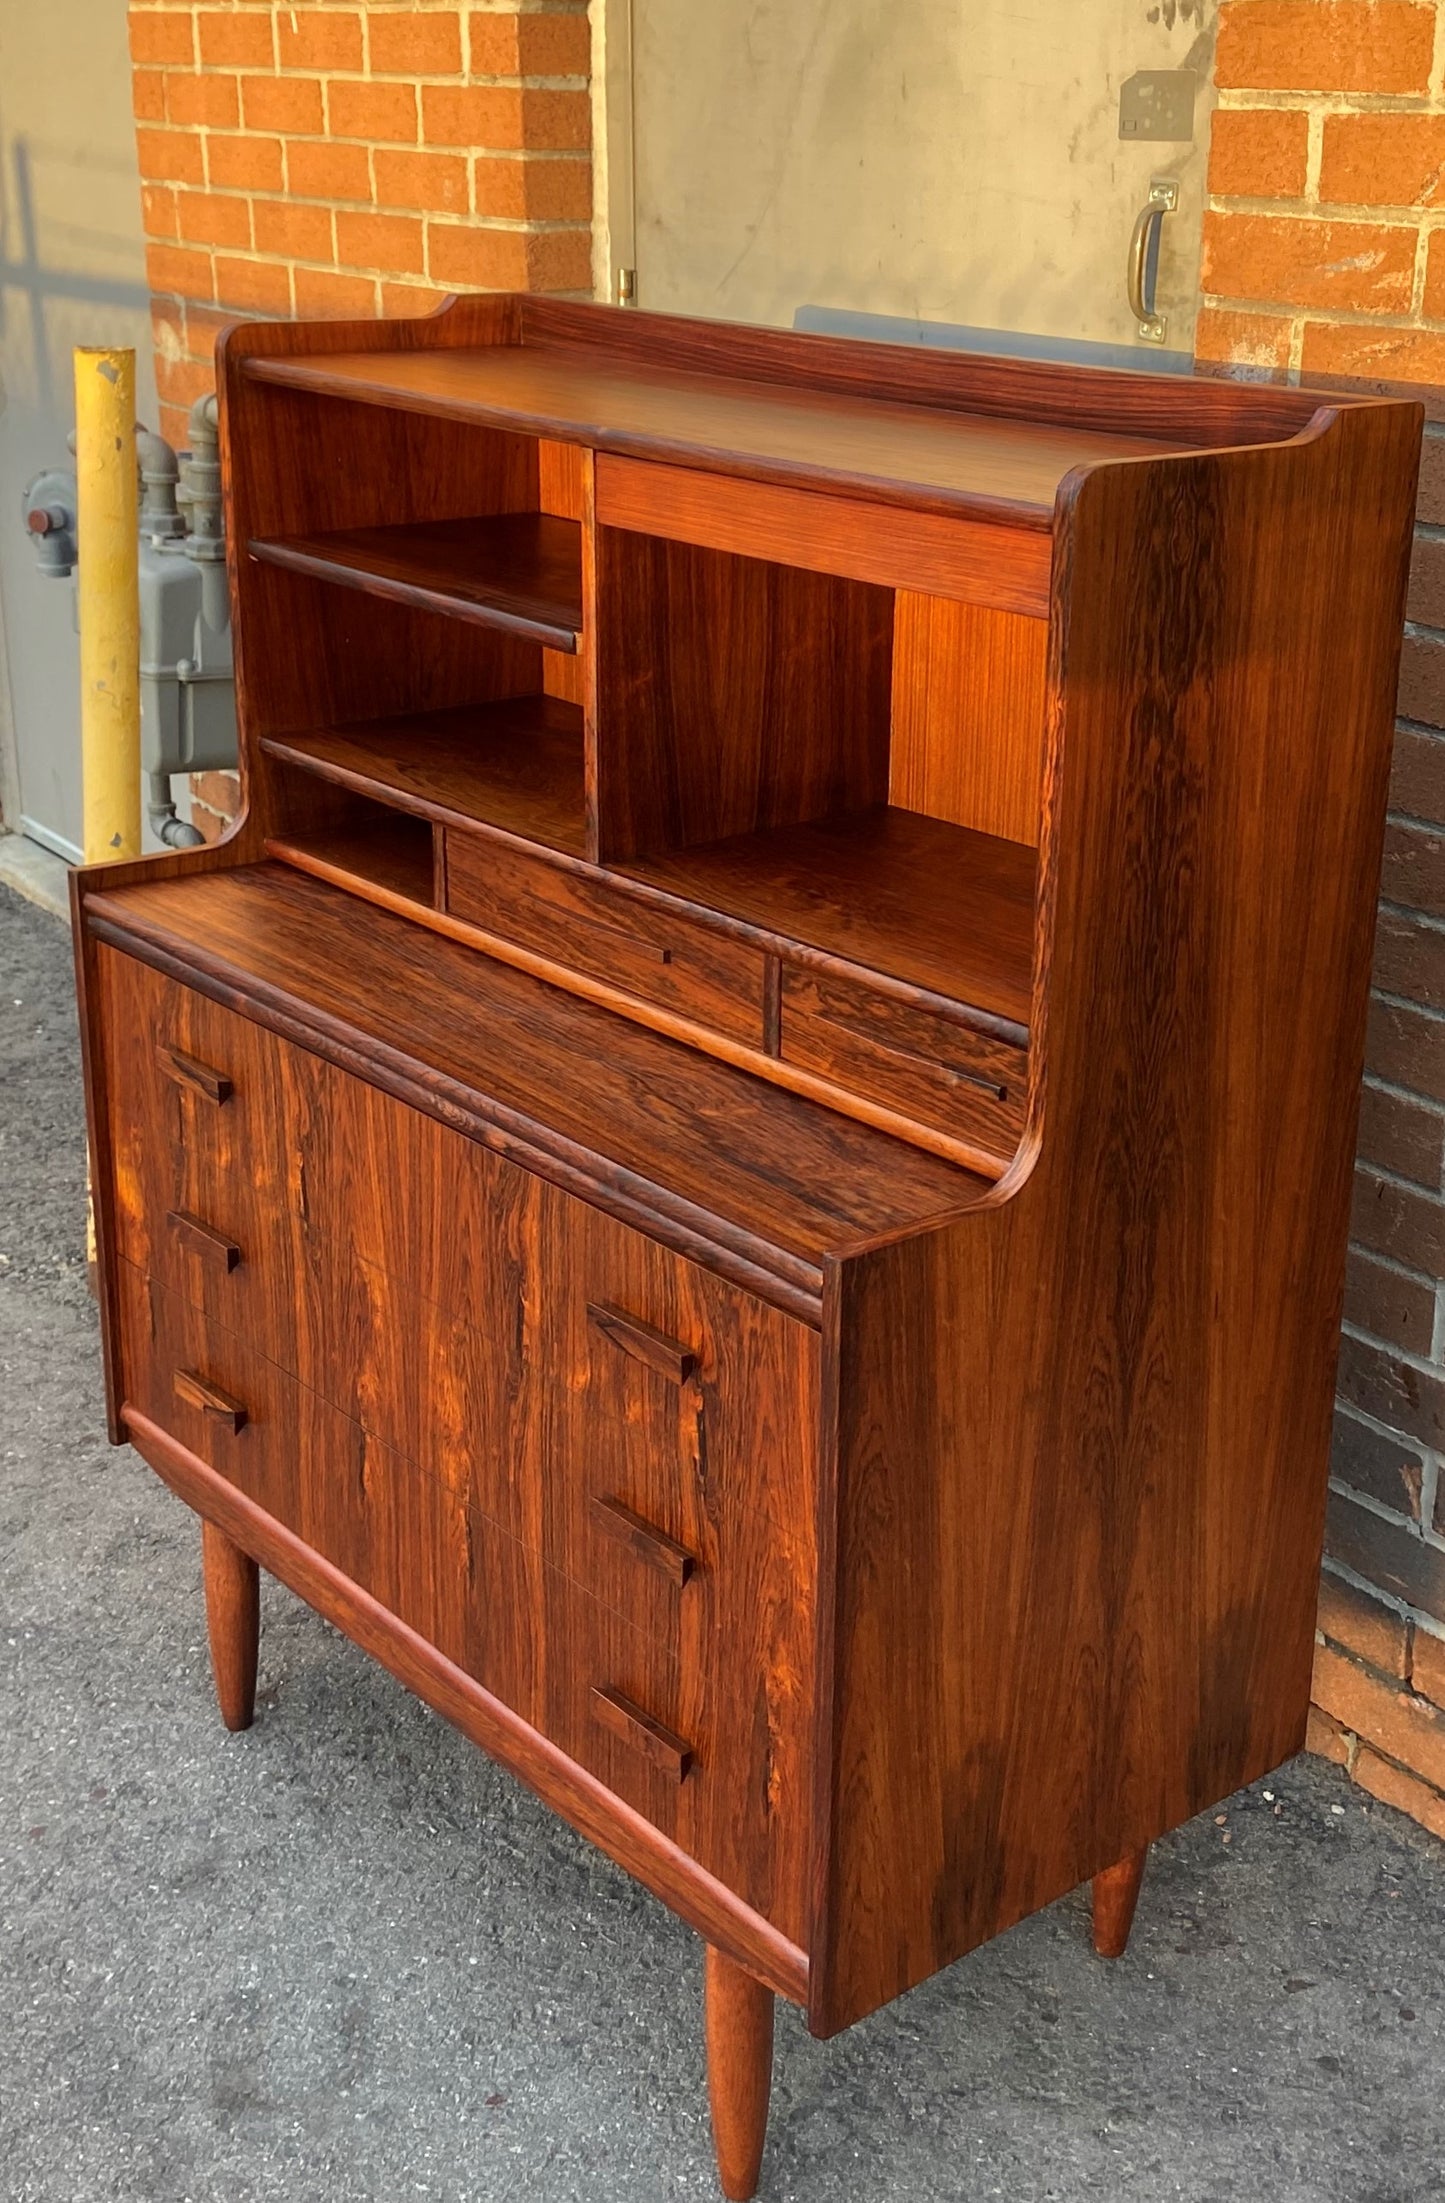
(514, 765)
(519, 572)
(393, 854)
(939, 906)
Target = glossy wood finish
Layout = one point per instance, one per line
(709, 1159)
(968, 715)
(233, 1623)
(514, 766)
(587, 924)
(703, 659)
(1098, 1528)
(518, 572)
(712, 1909)
(934, 906)
(944, 461)
(815, 368)
(1115, 1895)
(931, 1068)
(739, 2023)
(975, 562)
(395, 859)
(863, 1549)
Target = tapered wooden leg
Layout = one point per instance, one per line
(1116, 1893)
(739, 2019)
(233, 1622)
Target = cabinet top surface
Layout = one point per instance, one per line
(944, 457)
(783, 1180)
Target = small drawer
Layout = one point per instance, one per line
(924, 1065)
(653, 954)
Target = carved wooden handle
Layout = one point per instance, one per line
(669, 1357)
(617, 1713)
(202, 1239)
(642, 1537)
(210, 1399)
(190, 1071)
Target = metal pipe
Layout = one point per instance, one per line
(108, 601)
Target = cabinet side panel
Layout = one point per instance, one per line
(1082, 1434)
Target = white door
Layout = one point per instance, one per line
(72, 271)
(950, 161)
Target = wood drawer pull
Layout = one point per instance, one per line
(209, 1398)
(202, 1240)
(190, 1071)
(640, 1730)
(652, 1545)
(669, 1357)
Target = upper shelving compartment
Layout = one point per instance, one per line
(518, 572)
(938, 459)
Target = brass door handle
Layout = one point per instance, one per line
(1143, 267)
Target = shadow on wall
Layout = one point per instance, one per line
(50, 260)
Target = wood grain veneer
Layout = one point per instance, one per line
(969, 694)
(514, 765)
(1006, 567)
(1098, 1527)
(703, 1153)
(520, 573)
(862, 1549)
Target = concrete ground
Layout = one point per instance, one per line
(343, 1959)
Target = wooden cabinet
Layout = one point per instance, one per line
(740, 1168)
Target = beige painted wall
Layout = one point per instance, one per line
(955, 160)
(72, 271)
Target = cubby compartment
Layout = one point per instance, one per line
(725, 755)
(514, 765)
(382, 854)
(434, 568)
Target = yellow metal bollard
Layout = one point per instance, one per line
(105, 473)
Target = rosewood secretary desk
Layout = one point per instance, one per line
(740, 1168)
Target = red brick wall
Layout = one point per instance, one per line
(1324, 257)
(351, 157)
(335, 158)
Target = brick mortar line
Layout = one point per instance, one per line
(1406, 1002)
(1247, 99)
(1427, 1624)
(1377, 1081)
(1423, 1365)
(1391, 1177)
(1432, 1540)
(1430, 1454)
(1395, 214)
(1325, 317)
(1359, 213)
(1427, 921)
(1395, 1266)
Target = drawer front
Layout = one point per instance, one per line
(578, 1463)
(654, 954)
(373, 1514)
(200, 1103)
(925, 1066)
(697, 1737)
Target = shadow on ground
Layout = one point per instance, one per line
(343, 1958)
